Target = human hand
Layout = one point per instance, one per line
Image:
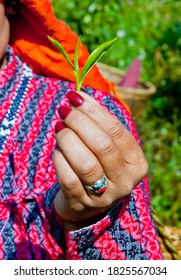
(92, 142)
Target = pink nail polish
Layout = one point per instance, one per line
(75, 99)
(64, 111)
(59, 126)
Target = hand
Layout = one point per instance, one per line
(92, 142)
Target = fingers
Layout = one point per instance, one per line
(72, 174)
(128, 147)
(71, 185)
(68, 179)
(92, 142)
(111, 125)
(96, 142)
(95, 139)
(105, 135)
(73, 200)
(79, 157)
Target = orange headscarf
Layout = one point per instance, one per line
(29, 31)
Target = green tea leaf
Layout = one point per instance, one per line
(94, 57)
(61, 50)
(76, 54)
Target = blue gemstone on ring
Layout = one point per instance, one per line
(98, 187)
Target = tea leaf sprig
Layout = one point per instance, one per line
(92, 59)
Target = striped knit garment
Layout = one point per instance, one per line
(29, 228)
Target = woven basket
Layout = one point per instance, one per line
(174, 234)
(169, 238)
(135, 98)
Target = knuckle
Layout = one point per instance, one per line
(89, 168)
(136, 157)
(127, 188)
(126, 184)
(76, 118)
(144, 166)
(91, 109)
(69, 183)
(139, 159)
(115, 129)
(66, 136)
(138, 172)
(105, 145)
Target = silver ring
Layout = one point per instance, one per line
(98, 187)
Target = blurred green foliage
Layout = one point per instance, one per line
(150, 30)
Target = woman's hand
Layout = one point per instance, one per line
(92, 142)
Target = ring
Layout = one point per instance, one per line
(98, 187)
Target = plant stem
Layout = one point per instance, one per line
(76, 73)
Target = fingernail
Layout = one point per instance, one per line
(64, 111)
(59, 126)
(75, 99)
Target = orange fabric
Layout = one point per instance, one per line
(29, 32)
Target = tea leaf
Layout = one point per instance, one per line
(61, 50)
(76, 54)
(94, 57)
